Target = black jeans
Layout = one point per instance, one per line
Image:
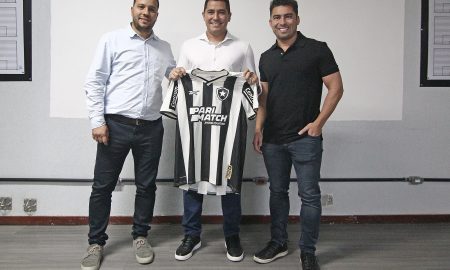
(231, 210)
(306, 156)
(145, 142)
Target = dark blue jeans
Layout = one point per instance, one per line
(231, 209)
(306, 156)
(145, 142)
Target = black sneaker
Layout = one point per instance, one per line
(309, 261)
(271, 252)
(188, 245)
(235, 253)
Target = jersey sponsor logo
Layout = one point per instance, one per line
(208, 116)
(174, 98)
(222, 93)
(248, 94)
(193, 92)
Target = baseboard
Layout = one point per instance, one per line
(248, 219)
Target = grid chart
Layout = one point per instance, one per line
(442, 30)
(441, 62)
(8, 23)
(442, 6)
(8, 55)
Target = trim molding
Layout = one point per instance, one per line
(248, 219)
(170, 180)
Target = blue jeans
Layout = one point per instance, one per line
(231, 209)
(145, 142)
(306, 156)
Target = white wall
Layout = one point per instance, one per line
(368, 49)
(34, 145)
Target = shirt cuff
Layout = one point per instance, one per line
(98, 121)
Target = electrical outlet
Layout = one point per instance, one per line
(30, 205)
(6, 203)
(327, 199)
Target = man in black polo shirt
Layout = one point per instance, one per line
(289, 126)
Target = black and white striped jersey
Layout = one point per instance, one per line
(211, 108)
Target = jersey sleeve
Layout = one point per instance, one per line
(250, 100)
(169, 107)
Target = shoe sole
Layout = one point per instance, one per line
(144, 260)
(187, 256)
(90, 267)
(233, 258)
(279, 255)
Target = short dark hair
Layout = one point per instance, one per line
(157, 2)
(227, 4)
(277, 3)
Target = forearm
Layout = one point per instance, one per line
(95, 93)
(329, 105)
(260, 119)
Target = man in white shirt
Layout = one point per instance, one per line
(216, 49)
(124, 95)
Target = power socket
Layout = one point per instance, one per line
(6, 203)
(327, 200)
(30, 205)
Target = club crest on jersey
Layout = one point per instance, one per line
(222, 93)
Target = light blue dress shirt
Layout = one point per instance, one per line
(126, 75)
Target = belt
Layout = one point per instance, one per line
(129, 121)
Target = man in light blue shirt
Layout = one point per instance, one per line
(124, 96)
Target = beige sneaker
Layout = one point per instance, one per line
(143, 250)
(93, 258)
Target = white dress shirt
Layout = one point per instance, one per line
(126, 75)
(231, 54)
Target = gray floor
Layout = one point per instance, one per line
(356, 246)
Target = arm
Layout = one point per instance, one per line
(183, 62)
(333, 82)
(249, 67)
(260, 117)
(94, 87)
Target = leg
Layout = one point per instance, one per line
(307, 158)
(147, 144)
(231, 209)
(278, 164)
(192, 213)
(108, 165)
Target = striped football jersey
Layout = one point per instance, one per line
(211, 109)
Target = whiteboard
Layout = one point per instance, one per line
(365, 36)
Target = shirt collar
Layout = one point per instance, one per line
(228, 36)
(132, 33)
(300, 42)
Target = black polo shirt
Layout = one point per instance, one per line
(295, 86)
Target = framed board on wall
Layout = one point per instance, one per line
(15, 40)
(435, 44)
